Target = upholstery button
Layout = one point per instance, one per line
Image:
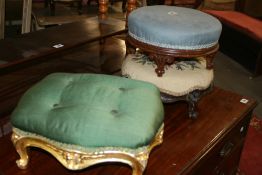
(122, 89)
(114, 112)
(55, 105)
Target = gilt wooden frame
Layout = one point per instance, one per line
(74, 157)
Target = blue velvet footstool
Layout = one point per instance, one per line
(87, 119)
(166, 33)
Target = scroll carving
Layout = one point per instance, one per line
(161, 61)
(76, 159)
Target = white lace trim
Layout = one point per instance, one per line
(202, 46)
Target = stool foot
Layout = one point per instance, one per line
(22, 151)
(192, 99)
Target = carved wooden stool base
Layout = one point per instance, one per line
(162, 56)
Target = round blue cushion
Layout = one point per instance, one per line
(174, 27)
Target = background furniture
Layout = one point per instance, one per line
(219, 4)
(210, 145)
(250, 7)
(16, 51)
(26, 17)
(37, 47)
(241, 38)
(184, 3)
(51, 5)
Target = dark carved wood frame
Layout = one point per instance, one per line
(162, 56)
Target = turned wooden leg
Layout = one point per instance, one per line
(131, 5)
(103, 8)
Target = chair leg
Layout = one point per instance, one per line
(103, 8)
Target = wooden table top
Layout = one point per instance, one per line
(185, 140)
(31, 46)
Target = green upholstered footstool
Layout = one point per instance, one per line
(86, 119)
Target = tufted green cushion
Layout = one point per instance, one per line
(91, 110)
